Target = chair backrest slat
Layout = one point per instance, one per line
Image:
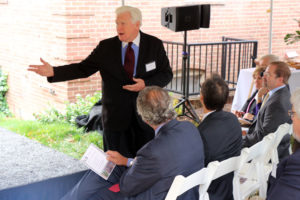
(202, 178)
(232, 164)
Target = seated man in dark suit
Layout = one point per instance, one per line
(274, 109)
(177, 148)
(221, 133)
(286, 185)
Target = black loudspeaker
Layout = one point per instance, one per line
(205, 16)
(184, 18)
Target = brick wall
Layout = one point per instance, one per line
(66, 31)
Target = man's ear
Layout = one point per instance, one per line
(138, 24)
(202, 99)
(280, 79)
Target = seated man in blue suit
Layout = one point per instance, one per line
(221, 133)
(286, 185)
(177, 148)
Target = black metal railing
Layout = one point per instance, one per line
(226, 58)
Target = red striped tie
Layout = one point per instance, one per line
(129, 60)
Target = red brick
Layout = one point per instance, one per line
(66, 31)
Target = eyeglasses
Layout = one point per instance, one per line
(291, 113)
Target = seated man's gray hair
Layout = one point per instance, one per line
(155, 106)
(271, 57)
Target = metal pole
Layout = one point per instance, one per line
(270, 29)
(184, 59)
(123, 2)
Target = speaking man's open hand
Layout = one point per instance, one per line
(44, 70)
(138, 86)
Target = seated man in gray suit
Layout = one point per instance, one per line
(221, 133)
(274, 109)
(176, 149)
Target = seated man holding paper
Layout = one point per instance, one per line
(176, 149)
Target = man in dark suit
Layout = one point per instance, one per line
(274, 110)
(286, 185)
(221, 133)
(127, 63)
(176, 149)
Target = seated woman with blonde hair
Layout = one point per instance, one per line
(253, 104)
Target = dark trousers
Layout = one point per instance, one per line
(128, 142)
(93, 187)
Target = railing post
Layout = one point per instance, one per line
(223, 62)
(188, 71)
(254, 56)
(184, 68)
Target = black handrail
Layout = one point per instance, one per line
(226, 58)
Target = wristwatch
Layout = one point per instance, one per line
(131, 163)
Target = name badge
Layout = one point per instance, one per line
(150, 66)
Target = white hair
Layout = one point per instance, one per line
(271, 58)
(136, 14)
(154, 105)
(295, 100)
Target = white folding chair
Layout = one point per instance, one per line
(254, 175)
(202, 178)
(233, 164)
(281, 131)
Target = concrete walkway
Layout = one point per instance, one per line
(24, 161)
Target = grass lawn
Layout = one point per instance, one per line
(60, 136)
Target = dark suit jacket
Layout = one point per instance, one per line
(252, 108)
(270, 116)
(119, 105)
(222, 138)
(287, 183)
(176, 149)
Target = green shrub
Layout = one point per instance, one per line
(292, 38)
(82, 106)
(4, 111)
(52, 115)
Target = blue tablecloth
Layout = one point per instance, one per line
(50, 189)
